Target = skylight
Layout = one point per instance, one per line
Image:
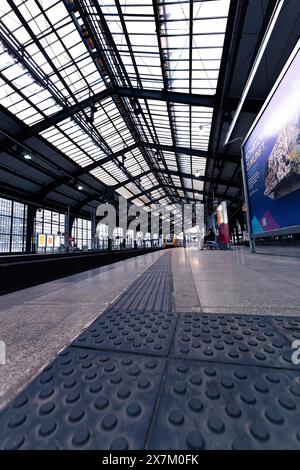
(54, 56)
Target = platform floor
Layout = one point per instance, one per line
(192, 350)
(236, 281)
(39, 322)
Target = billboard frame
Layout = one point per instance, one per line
(285, 230)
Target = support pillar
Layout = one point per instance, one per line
(93, 231)
(69, 220)
(31, 213)
(183, 224)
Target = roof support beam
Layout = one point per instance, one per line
(131, 180)
(167, 148)
(107, 196)
(207, 101)
(217, 195)
(217, 181)
(251, 105)
(63, 114)
(144, 192)
(203, 193)
(188, 190)
(66, 178)
(109, 158)
(190, 151)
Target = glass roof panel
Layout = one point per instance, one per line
(136, 40)
(52, 58)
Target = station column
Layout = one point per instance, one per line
(31, 212)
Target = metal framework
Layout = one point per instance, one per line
(125, 90)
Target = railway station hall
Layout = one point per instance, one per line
(149, 228)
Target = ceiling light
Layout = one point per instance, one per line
(202, 129)
(27, 156)
(80, 188)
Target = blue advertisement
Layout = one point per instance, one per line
(272, 158)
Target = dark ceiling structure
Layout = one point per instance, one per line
(100, 98)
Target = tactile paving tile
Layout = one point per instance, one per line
(206, 406)
(85, 400)
(239, 339)
(288, 326)
(136, 332)
(152, 291)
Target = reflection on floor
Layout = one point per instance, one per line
(236, 281)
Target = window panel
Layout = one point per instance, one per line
(13, 220)
(82, 232)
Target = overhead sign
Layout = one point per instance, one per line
(271, 157)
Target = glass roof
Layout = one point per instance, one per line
(207, 21)
(56, 53)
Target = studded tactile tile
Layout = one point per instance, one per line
(85, 400)
(239, 339)
(152, 291)
(136, 332)
(206, 406)
(288, 326)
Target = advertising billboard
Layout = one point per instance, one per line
(41, 240)
(50, 241)
(223, 226)
(57, 241)
(271, 157)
